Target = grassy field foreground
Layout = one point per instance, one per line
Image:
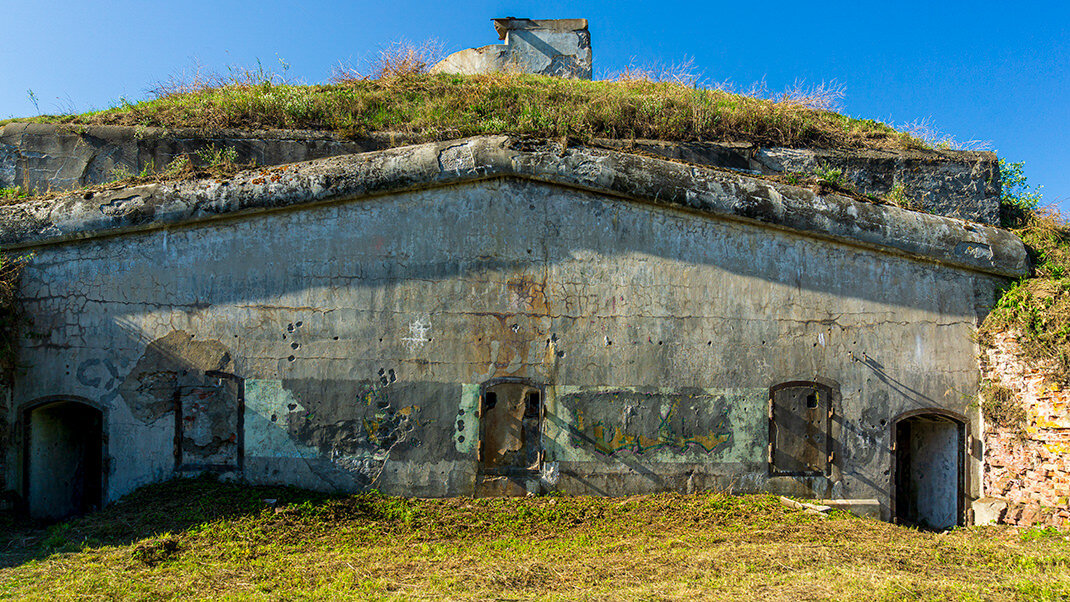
(206, 540)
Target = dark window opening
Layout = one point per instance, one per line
(532, 406)
(510, 428)
(799, 437)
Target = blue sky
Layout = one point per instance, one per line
(995, 72)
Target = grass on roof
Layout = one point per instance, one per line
(197, 539)
(439, 107)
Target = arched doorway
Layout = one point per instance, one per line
(928, 477)
(63, 458)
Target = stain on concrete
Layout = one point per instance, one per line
(169, 362)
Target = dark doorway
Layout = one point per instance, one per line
(929, 471)
(64, 453)
(510, 439)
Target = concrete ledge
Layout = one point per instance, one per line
(866, 508)
(712, 192)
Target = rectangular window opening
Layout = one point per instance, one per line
(799, 437)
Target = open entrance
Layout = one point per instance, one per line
(510, 437)
(63, 462)
(929, 472)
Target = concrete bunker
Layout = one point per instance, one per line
(928, 476)
(63, 468)
(651, 306)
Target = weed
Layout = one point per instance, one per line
(215, 158)
(898, 196)
(830, 175)
(1000, 407)
(16, 192)
(1039, 533)
(177, 167)
(33, 99)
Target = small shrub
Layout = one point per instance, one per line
(1000, 406)
(1017, 201)
(157, 550)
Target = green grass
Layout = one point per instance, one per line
(437, 107)
(13, 193)
(204, 540)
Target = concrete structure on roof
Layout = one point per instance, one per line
(559, 47)
(491, 316)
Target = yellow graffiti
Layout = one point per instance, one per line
(619, 440)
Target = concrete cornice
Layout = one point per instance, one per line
(713, 192)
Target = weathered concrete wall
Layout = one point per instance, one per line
(558, 47)
(962, 184)
(1027, 468)
(361, 332)
(44, 157)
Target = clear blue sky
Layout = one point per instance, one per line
(992, 71)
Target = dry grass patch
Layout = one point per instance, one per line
(402, 97)
(204, 540)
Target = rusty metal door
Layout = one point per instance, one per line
(208, 418)
(799, 429)
(510, 428)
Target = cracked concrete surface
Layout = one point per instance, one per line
(359, 304)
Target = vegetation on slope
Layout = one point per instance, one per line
(206, 540)
(1037, 307)
(403, 97)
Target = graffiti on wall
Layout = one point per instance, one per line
(610, 422)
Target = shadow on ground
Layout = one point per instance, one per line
(169, 507)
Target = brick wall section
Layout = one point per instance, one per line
(1029, 469)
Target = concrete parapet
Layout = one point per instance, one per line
(719, 193)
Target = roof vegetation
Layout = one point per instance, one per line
(401, 96)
